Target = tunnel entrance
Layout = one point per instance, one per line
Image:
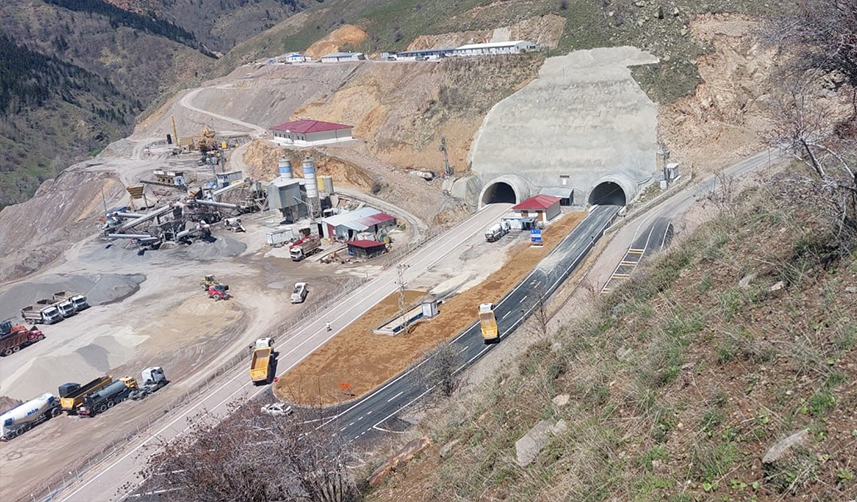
(499, 192)
(607, 193)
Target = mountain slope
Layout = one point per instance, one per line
(49, 108)
(678, 385)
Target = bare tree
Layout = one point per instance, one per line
(808, 128)
(253, 457)
(439, 369)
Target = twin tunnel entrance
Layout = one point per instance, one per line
(606, 193)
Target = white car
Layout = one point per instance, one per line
(277, 409)
(300, 292)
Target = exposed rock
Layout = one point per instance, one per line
(851, 289)
(744, 283)
(555, 346)
(447, 448)
(559, 428)
(778, 286)
(528, 447)
(622, 353)
(561, 400)
(400, 459)
(776, 452)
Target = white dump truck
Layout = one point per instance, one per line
(41, 313)
(25, 416)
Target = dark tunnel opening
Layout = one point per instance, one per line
(607, 194)
(499, 192)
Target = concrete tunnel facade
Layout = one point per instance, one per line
(584, 124)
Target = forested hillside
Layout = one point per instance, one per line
(48, 108)
(84, 69)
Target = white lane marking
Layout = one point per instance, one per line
(462, 350)
(506, 315)
(359, 419)
(524, 298)
(394, 397)
(343, 429)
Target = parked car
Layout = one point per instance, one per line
(300, 292)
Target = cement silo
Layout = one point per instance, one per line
(285, 165)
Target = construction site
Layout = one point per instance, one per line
(189, 239)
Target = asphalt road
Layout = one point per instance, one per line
(108, 482)
(376, 413)
(656, 237)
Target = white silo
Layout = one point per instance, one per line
(285, 168)
(311, 186)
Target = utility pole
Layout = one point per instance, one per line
(403, 306)
(447, 168)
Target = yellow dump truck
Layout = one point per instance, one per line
(72, 394)
(490, 334)
(262, 362)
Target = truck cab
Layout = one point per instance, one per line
(488, 323)
(51, 315)
(80, 302)
(300, 292)
(66, 308)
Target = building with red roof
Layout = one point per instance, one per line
(366, 248)
(310, 133)
(543, 207)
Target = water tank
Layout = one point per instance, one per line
(309, 177)
(285, 168)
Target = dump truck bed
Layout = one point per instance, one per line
(260, 364)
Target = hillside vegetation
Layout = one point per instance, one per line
(49, 107)
(679, 383)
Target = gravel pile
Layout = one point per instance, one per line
(99, 290)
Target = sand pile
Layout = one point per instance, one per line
(100, 289)
(343, 37)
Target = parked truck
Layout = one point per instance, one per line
(41, 314)
(14, 338)
(106, 398)
(488, 322)
(25, 416)
(262, 362)
(304, 247)
(153, 379)
(72, 394)
(62, 301)
(277, 238)
(497, 231)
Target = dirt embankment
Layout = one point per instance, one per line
(262, 159)
(725, 119)
(543, 30)
(63, 210)
(403, 110)
(365, 360)
(346, 36)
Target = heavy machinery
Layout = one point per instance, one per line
(219, 292)
(25, 416)
(488, 322)
(14, 338)
(153, 379)
(106, 398)
(72, 394)
(262, 362)
(234, 225)
(208, 281)
(497, 231)
(304, 247)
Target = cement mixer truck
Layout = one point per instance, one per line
(25, 416)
